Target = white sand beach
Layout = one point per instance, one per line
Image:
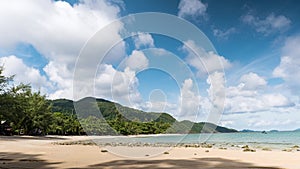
(40, 152)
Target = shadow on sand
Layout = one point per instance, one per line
(20, 160)
(201, 163)
(14, 138)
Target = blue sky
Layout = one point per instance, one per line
(256, 42)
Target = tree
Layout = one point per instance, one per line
(4, 81)
(40, 113)
(22, 108)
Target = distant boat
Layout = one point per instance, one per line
(264, 132)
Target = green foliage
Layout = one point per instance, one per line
(135, 128)
(23, 109)
(65, 124)
(96, 126)
(62, 105)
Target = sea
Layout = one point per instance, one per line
(271, 140)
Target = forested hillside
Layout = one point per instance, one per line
(126, 120)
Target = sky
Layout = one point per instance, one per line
(238, 67)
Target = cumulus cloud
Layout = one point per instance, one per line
(213, 65)
(119, 86)
(276, 100)
(268, 25)
(264, 120)
(252, 81)
(60, 76)
(189, 101)
(207, 62)
(262, 102)
(216, 91)
(248, 96)
(289, 66)
(115, 54)
(53, 27)
(24, 74)
(239, 90)
(157, 102)
(137, 61)
(159, 106)
(143, 40)
(191, 8)
(58, 31)
(226, 123)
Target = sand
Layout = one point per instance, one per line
(40, 152)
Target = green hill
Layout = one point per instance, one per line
(62, 105)
(117, 119)
(297, 130)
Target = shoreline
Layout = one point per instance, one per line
(103, 141)
(242, 147)
(133, 141)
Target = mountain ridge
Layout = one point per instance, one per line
(116, 115)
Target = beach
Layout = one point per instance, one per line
(44, 152)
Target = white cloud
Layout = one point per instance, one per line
(191, 8)
(216, 90)
(238, 90)
(213, 65)
(253, 104)
(137, 61)
(248, 96)
(273, 119)
(60, 75)
(284, 70)
(261, 102)
(223, 34)
(226, 123)
(157, 102)
(115, 54)
(189, 101)
(268, 25)
(291, 46)
(276, 100)
(289, 66)
(143, 40)
(262, 123)
(53, 27)
(119, 86)
(24, 74)
(155, 106)
(252, 81)
(207, 62)
(159, 106)
(58, 31)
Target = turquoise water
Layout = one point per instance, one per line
(255, 139)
